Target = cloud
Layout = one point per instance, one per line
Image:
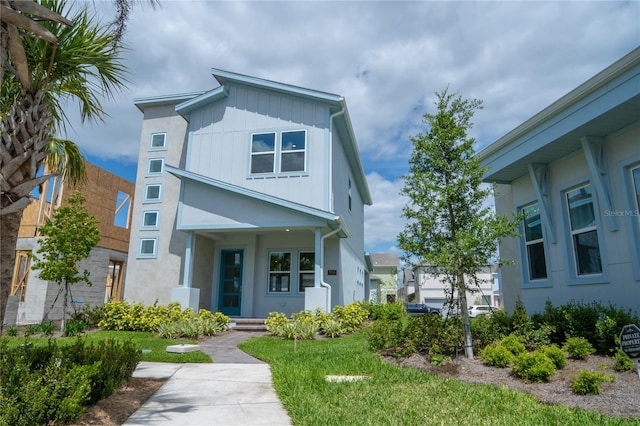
(386, 58)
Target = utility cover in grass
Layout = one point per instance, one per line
(331, 378)
(181, 349)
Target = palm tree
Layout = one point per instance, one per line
(45, 59)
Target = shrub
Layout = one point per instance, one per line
(12, 331)
(332, 328)
(275, 321)
(578, 348)
(513, 344)
(556, 355)
(390, 337)
(496, 355)
(588, 382)
(487, 329)
(75, 327)
(621, 362)
(351, 316)
(533, 367)
(389, 311)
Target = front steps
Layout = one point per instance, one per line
(248, 324)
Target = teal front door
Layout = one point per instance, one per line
(230, 282)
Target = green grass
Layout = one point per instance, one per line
(144, 340)
(393, 395)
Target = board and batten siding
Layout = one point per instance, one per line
(220, 142)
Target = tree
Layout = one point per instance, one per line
(46, 58)
(67, 239)
(448, 223)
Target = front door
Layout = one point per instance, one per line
(230, 282)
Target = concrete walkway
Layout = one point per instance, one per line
(235, 390)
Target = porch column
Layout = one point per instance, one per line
(187, 297)
(317, 276)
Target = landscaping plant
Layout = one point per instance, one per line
(589, 382)
(533, 367)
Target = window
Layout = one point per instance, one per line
(122, 212)
(21, 274)
(292, 151)
(152, 192)
(263, 147)
(148, 247)
(155, 166)
(279, 272)
(584, 234)
(158, 142)
(534, 242)
(113, 289)
(307, 266)
(150, 219)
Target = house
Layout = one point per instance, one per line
(433, 288)
(249, 199)
(109, 199)
(573, 171)
(383, 278)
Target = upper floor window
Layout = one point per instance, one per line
(292, 152)
(158, 142)
(155, 166)
(282, 152)
(153, 192)
(150, 219)
(279, 272)
(584, 233)
(148, 247)
(534, 242)
(263, 148)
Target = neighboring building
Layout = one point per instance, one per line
(407, 288)
(108, 198)
(249, 199)
(433, 290)
(574, 170)
(383, 279)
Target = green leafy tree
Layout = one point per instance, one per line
(449, 225)
(67, 239)
(49, 52)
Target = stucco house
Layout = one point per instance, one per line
(573, 169)
(250, 199)
(109, 199)
(383, 278)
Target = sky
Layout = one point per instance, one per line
(387, 58)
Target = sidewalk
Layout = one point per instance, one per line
(235, 390)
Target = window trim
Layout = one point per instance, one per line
(269, 271)
(150, 227)
(157, 148)
(632, 207)
(154, 254)
(524, 253)
(572, 278)
(277, 154)
(146, 192)
(148, 170)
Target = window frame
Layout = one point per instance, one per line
(153, 254)
(571, 259)
(154, 159)
(146, 198)
(162, 147)
(631, 204)
(279, 272)
(155, 226)
(253, 154)
(293, 151)
(300, 271)
(527, 265)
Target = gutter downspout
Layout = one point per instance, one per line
(330, 159)
(322, 283)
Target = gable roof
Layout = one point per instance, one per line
(335, 103)
(384, 259)
(607, 102)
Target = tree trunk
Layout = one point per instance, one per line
(9, 225)
(466, 323)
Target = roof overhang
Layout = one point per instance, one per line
(605, 104)
(143, 103)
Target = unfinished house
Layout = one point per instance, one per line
(108, 198)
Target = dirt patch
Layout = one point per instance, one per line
(619, 398)
(118, 407)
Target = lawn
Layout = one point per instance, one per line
(153, 347)
(393, 395)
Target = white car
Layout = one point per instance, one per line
(476, 310)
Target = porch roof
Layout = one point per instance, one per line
(290, 214)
